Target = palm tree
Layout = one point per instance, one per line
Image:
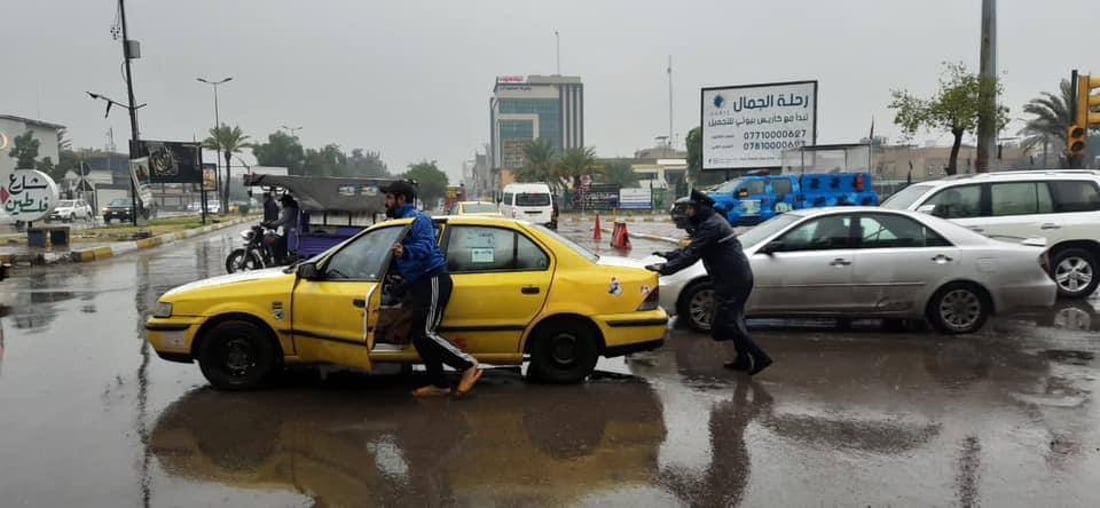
(538, 163)
(575, 163)
(227, 141)
(1051, 118)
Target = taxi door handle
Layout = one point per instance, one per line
(530, 290)
(359, 302)
(1050, 225)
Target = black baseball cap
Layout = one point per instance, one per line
(401, 188)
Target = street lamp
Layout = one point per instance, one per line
(293, 130)
(217, 124)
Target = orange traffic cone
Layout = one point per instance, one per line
(620, 238)
(597, 234)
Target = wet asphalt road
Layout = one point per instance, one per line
(90, 417)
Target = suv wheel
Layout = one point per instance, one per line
(1075, 272)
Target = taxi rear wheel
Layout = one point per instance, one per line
(564, 351)
(236, 355)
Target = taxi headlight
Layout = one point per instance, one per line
(163, 310)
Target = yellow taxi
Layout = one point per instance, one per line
(481, 208)
(521, 292)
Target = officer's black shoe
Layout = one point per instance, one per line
(759, 364)
(740, 364)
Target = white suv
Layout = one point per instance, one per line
(1062, 206)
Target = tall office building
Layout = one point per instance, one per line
(526, 108)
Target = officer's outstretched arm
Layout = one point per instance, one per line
(702, 238)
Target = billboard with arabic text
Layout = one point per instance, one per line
(749, 126)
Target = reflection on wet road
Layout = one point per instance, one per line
(91, 418)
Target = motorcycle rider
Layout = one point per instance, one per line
(288, 220)
(714, 241)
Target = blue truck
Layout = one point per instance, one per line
(753, 199)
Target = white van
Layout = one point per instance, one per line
(531, 202)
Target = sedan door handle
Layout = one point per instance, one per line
(1050, 225)
(530, 290)
(359, 302)
(840, 262)
(976, 229)
(942, 259)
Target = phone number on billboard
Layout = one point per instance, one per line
(774, 145)
(796, 134)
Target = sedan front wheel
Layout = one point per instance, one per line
(696, 306)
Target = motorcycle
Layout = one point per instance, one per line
(258, 252)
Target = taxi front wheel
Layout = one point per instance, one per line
(564, 351)
(236, 355)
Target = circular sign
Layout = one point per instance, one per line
(28, 195)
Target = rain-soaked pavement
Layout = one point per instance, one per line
(90, 417)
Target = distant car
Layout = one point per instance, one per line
(476, 208)
(865, 262)
(531, 202)
(71, 210)
(120, 209)
(1062, 206)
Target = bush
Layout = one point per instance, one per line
(244, 209)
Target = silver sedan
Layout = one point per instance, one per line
(862, 262)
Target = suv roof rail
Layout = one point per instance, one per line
(1025, 172)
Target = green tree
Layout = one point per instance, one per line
(575, 163)
(365, 164)
(431, 183)
(328, 161)
(1051, 117)
(24, 149)
(619, 172)
(695, 161)
(281, 150)
(538, 163)
(227, 141)
(47, 166)
(954, 108)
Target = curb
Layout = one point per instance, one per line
(118, 248)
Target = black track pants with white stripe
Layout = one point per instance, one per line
(429, 297)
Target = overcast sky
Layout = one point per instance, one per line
(412, 78)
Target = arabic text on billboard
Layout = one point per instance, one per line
(750, 126)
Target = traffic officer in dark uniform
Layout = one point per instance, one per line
(714, 241)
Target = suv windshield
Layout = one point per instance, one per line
(905, 198)
(120, 202)
(728, 187)
(532, 199)
(66, 203)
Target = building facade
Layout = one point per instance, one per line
(523, 109)
(44, 132)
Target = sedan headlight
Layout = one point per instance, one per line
(163, 310)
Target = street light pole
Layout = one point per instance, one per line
(987, 94)
(217, 124)
(134, 135)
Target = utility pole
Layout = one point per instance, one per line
(987, 98)
(127, 55)
(670, 105)
(557, 45)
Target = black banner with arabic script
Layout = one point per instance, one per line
(171, 161)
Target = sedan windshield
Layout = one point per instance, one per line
(576, 247)
(905, 198)
(478, 208)
(767, 228)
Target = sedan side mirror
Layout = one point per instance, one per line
(308, 271)
(772, 247)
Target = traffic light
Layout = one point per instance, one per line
(1086, 115)
(1088, 103)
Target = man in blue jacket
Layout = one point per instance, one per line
(429, 285)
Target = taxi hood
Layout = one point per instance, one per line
(225, 280)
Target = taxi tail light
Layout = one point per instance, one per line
(651, 300)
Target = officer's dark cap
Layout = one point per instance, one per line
(700, 198)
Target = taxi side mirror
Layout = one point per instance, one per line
(308, 271)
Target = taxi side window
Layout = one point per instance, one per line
(472, 249)
(362, 259)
